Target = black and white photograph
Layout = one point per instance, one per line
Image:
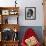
(30, 13)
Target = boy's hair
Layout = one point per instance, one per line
(31, 12)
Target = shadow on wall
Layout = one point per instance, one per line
(37, 29)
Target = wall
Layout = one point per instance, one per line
(27, 3)
(39, 13)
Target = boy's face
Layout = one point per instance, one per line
(30, 12)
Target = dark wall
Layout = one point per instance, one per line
(37, 29)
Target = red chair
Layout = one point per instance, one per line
(29, 33)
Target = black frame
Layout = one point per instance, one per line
(28, 17)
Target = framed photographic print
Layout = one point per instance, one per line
(30, 13)
(5, 12)
(13, 12)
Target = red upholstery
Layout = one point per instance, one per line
(29, 33)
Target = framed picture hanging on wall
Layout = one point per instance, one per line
(30, 13)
